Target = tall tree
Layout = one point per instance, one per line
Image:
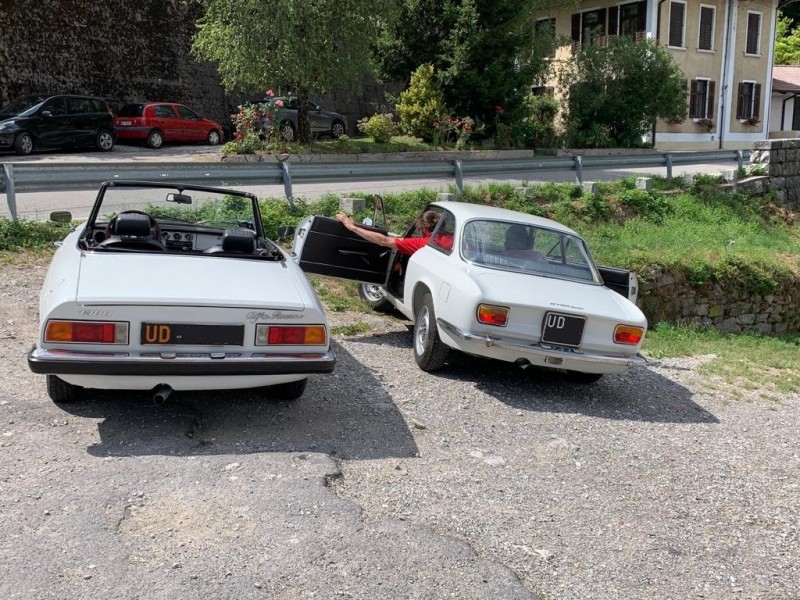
(787, 42)
(310, 45)
(484, 51)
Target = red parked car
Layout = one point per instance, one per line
(159, 122)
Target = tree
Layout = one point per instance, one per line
(787, 43)
(616, 92)
(310, 45)
(483, 51)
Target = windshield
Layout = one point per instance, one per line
(527, 249)
(22, 105)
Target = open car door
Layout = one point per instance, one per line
(324, 246)
(621, 281)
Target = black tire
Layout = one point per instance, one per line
(286, 131)
(155, 139)
(374, 296)
(582, 378)
(24, 144)
(429, 350)
(288, 391)
(62, 392)
(338, 129)
(214, 137)
(104, 141)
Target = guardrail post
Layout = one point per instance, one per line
(287, 181)
(11, 197)
(740, 158)
(459, 175)
(579, 168)
(668, 158)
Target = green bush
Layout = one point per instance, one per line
(30, 234)
(380, 127)
(422, 104)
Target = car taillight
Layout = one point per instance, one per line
(492, 315)
(628, 334)
(291, 335)
(86, 332)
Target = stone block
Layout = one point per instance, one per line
(352, 205)
(446, 197)
(589, 187)
(644, 183)
(716, 311)
(729, 175)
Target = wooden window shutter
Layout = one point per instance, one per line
(705, 41)
(576, 27)
(693, 112)
(757, 100)
(711, 99)
(676, 14)
(740, 109)
(613, 20)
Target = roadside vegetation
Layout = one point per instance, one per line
(695, 228)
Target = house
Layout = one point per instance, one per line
(784, 119)
(724, 47)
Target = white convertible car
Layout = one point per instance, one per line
(495, 283)
(178, 289)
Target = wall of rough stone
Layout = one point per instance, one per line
(125, 52)
(782, 160)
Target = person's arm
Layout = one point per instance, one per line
(376, 237)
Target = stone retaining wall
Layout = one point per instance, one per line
(782, 160)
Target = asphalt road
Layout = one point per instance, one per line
(40, 205)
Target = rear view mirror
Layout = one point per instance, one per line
(179, 198)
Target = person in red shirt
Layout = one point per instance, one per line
(424, 225)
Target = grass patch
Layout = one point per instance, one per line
(354, 329)
(337, 295)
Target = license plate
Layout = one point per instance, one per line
(191, 334)
(564, 330)
(124, 122)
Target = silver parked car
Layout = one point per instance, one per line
(323, 122)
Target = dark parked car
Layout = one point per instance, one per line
(323, 122)
(56, 122)
(159, 122)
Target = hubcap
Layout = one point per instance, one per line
(156, 140)
(423, 325)
(373, 293)
(338, 130)
(287, 133)
(213, 138)
(106, 142)
(27, 144)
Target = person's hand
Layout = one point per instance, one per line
(346, 220)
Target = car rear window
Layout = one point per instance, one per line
(131, 110)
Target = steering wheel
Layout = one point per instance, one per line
(113, 239)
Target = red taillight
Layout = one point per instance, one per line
(628, 334)
(86, 332)
(291, 335)
(492, 315)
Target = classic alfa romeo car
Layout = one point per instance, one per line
(178, 289)
(494, 283)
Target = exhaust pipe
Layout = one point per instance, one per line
(161, 393)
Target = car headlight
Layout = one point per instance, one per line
(7, 126)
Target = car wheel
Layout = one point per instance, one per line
(62, 392)
(105, 141)
(583, 378)
(286, 130)
(213, 137)
(155, 139)
(288, 391)
(429, 350)
(337, 130)
(23, 144)
(374, 296)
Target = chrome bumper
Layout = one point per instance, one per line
(556, 354)
(216, 364)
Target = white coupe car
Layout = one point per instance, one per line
(494, 283)
(179, 289)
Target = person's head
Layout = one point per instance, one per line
(426, 222)
(517, 238)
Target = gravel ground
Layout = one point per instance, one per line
(653, 484)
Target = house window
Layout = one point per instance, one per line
(705, 39)
(701, 99)
(753, 33)
(628, 19)
(544, 37)
(588, 26)
(677, 24)
(542, 90)
(749, 103)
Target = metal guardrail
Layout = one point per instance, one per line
(37, 177)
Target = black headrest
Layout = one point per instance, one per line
(238, 240)
(132, 224)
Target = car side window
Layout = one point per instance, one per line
(291, 103)
(77, 106)
(187, 113)
(442, 238)
(164, 111)
(57, 107)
